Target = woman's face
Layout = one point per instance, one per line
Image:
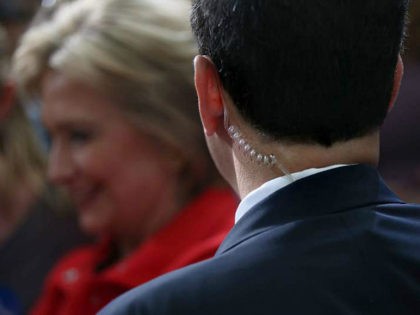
(117, 176)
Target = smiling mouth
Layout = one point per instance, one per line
(83, 198)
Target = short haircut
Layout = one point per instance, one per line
(305, 71)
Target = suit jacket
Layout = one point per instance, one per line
(337, 242)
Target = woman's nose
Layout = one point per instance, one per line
(60, 165)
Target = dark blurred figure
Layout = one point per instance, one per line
(15, 16)
(400, 142)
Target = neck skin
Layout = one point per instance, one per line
(175, 194)
(129, 242)
(249, 175)
(294, 158)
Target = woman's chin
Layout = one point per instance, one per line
(93, 225)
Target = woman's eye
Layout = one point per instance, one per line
(80, 136)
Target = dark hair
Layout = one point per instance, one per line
(305, 70)
(20, 11)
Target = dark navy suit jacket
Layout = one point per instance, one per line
(338, 242)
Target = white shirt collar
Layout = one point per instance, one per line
(273, 185)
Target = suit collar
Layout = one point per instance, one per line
(332, 191)
(266, 189)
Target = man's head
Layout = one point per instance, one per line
(311, 72)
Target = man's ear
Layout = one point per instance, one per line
(209, 92)
(398, 75)
(7, 98)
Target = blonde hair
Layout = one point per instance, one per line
(21, 159)
(138, 52)
(22, 162)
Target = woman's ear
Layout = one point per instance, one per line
(7, 99)
(398, 75)
(209, 92)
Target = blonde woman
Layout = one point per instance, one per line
(115, 79)
(34, 232)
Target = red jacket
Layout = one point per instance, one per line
(73, 287)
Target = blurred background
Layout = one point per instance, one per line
(400, 142)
